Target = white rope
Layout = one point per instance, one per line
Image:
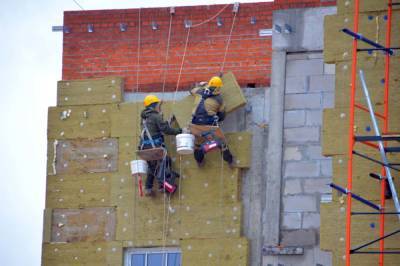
(182, 63)
(77, 3)
(221, 189)
(213, 17)
(227, 44)
(164, 233)
(136, 195)
(166, 55)
(180, 192)
(186, 44)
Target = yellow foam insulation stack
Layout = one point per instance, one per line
(93, 208)
(338, 51)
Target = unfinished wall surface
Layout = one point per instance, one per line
(93, 210)
(338, 51)
(108, 51)
(219, 215)
(306, 86)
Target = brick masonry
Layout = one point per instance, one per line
(108, 51)
(309, 89)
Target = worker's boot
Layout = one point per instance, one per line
(199, 157)
(227, 155)
(148, 192)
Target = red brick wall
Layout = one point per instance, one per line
(107, 51)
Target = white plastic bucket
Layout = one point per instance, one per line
(185, 143)
(138, 167)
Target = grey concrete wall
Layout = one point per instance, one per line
(309, 88)
(305, 29)
(306, 173)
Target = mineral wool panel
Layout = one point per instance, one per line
(347, 6)
(374, 77)
(215, 252)
(146, 220)
(82, 253)
(89, 121)
(86, 156)
(239, 144)
(231, 93)
(78, 225)
(126, 120)
(365, 228)
(78, 191)
(336, 127)
(363, 184)
(90, 91)
(338, 45)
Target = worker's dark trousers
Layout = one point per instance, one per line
(151, 173)
(226, 155)
(160, 170)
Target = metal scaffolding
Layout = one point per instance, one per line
(379, 141)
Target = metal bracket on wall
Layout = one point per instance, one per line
(236, 7)
(188, 23)
(64, 29)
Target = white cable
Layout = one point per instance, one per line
(76, 2)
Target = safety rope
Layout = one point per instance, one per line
(165, 220)
(182, 63)
(213, 17)
(136, 195)
(167, 55)
(180, 192)
(228, 42)
(221, 194)
(187, 41)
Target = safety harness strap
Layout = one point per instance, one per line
(146, 130)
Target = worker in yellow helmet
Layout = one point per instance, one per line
(153, 130)
(209, 110)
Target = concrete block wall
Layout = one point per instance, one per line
(308, 88)
(306, 173)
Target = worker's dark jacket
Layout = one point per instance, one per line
(157, 127)
(208, 109)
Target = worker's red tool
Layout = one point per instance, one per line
(140, 183)
(210, 146)
(168, 187)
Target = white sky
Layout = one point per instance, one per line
(30, 66)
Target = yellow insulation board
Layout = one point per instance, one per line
(78, 191)
(227, 252)
(375, 79)
(90, 91)
(83, 253)
(364, 229)
(88, 121)
(145, 221)
(347, 6)
(338, 45)
(362, 184)
(193, 184)
(231, 93)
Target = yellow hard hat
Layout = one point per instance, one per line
(149, 99)
(215, 82)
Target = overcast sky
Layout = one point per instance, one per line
(30, 66)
